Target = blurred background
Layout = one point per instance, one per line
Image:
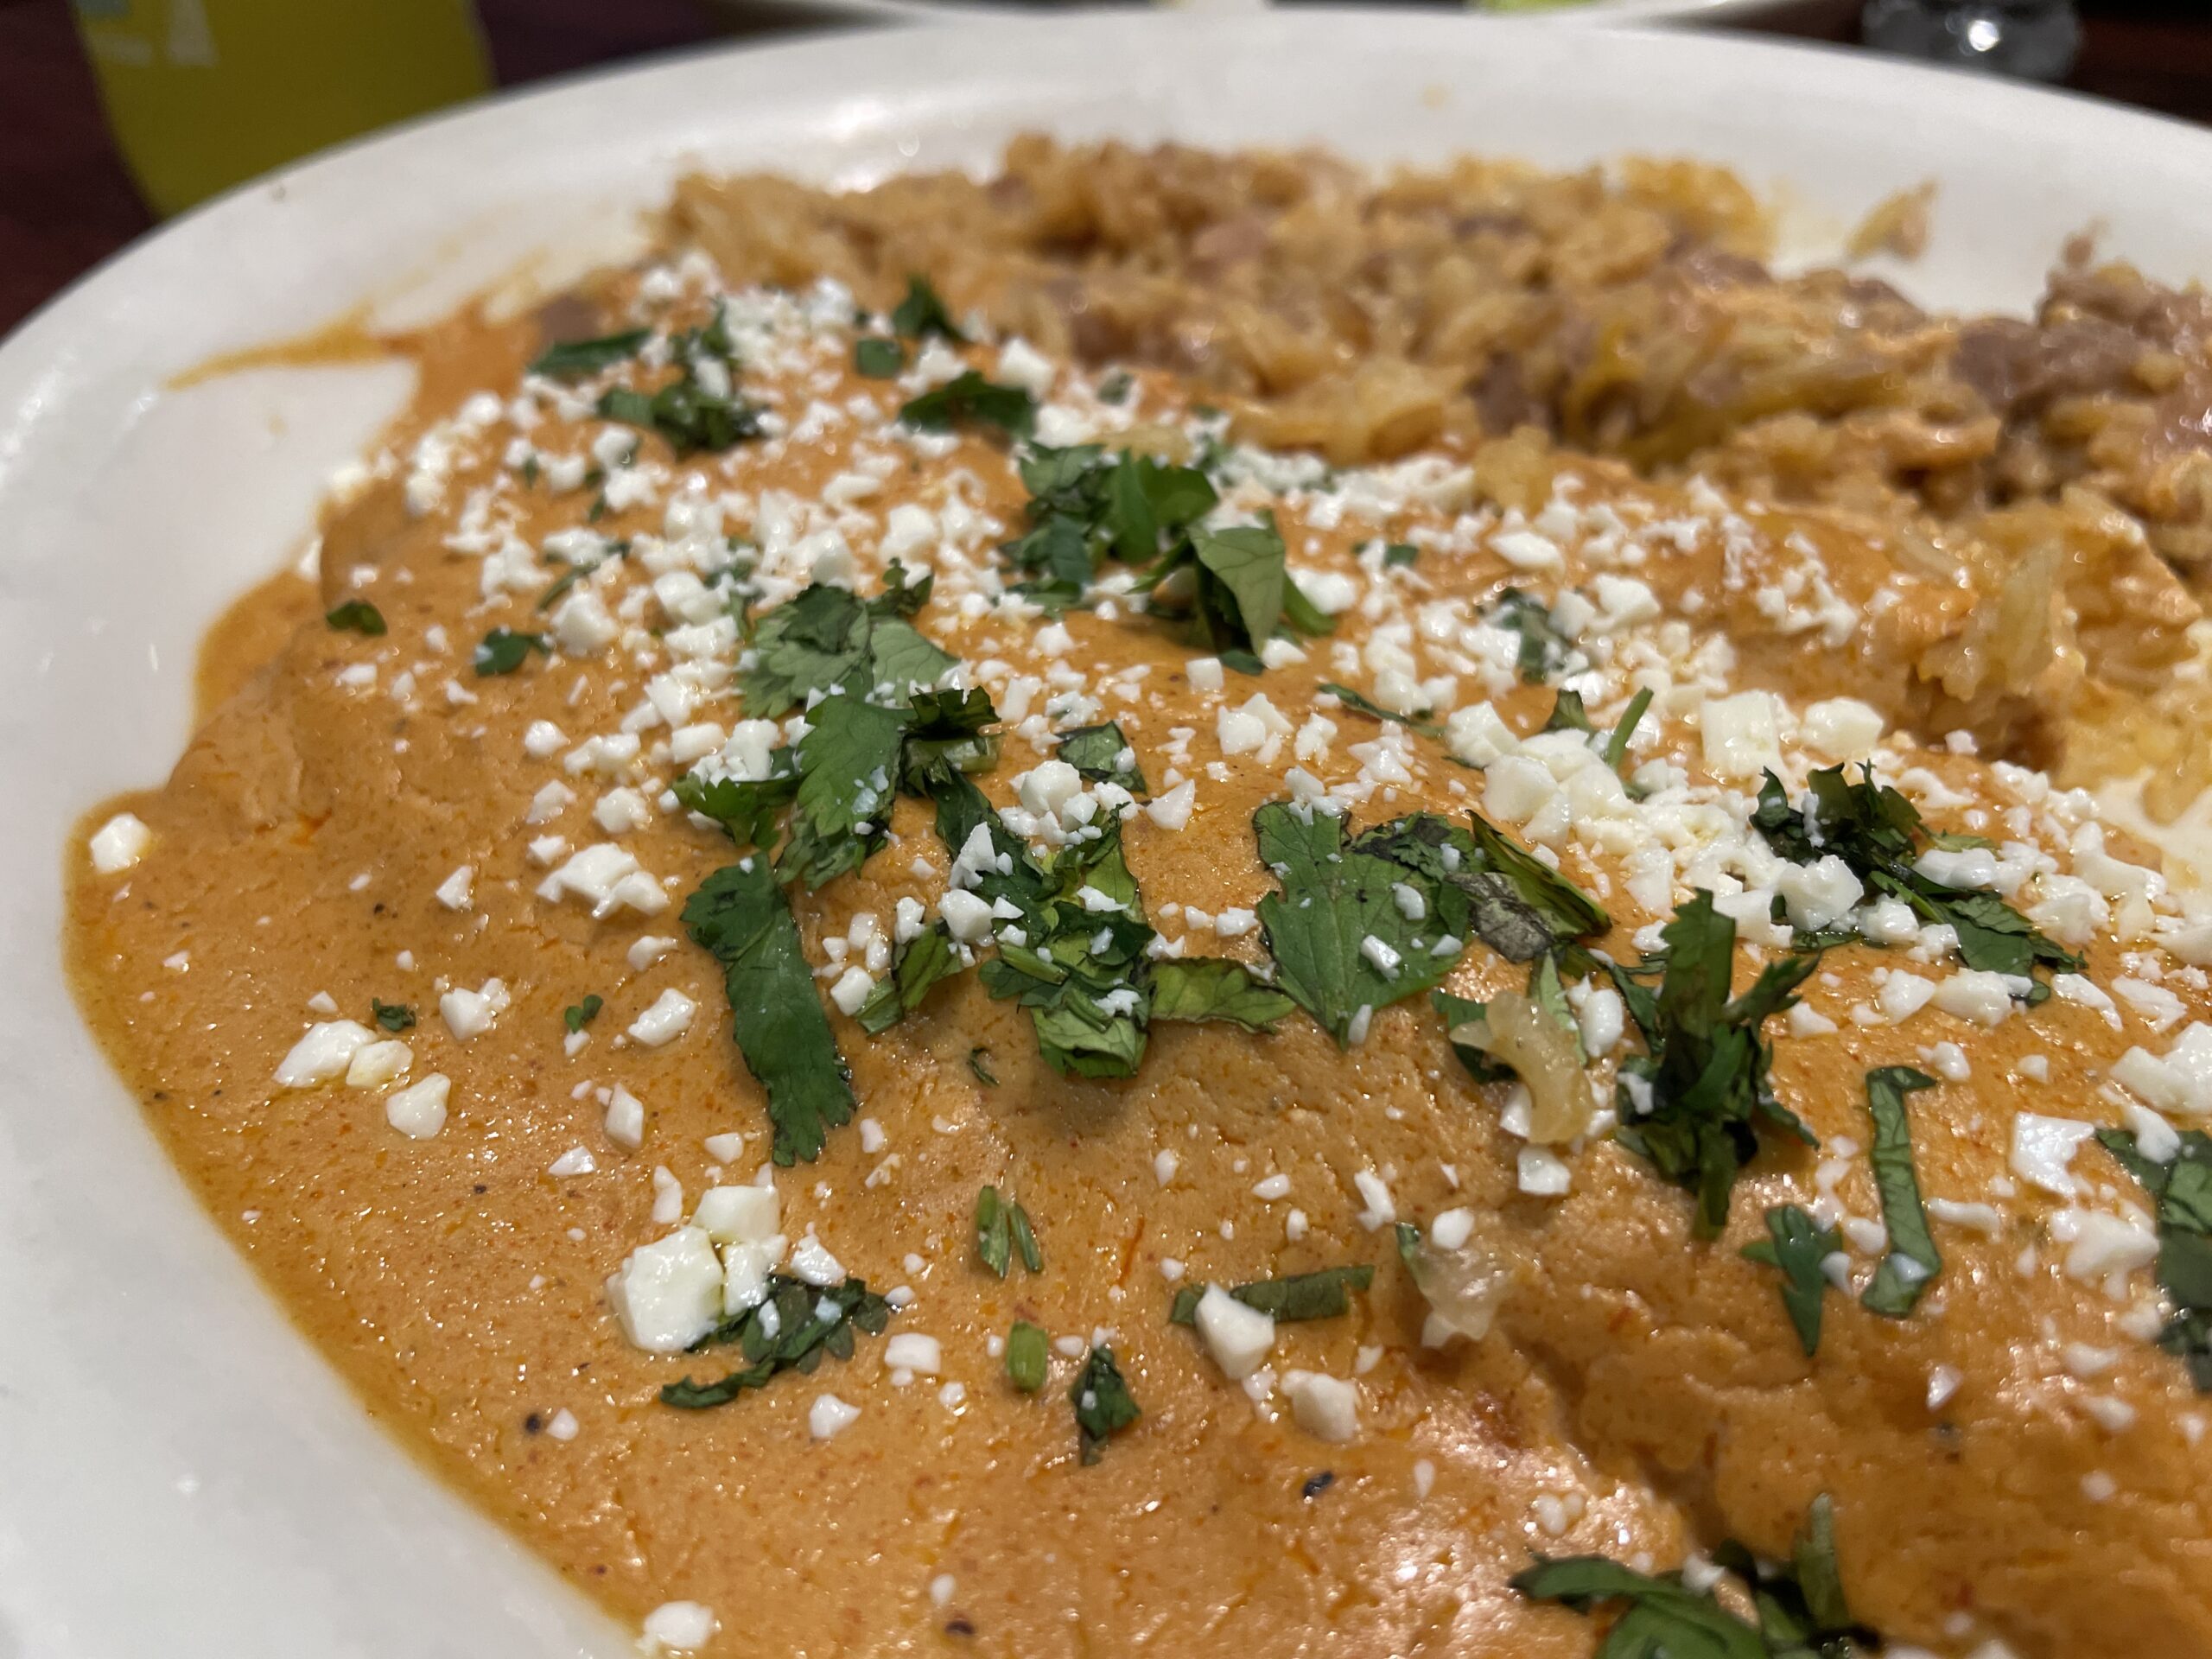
(114, 113)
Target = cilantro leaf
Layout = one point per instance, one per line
(848, 768)
(738, 914)
(1568, 714)
(1103, 755)
(1002, 1227)
(1913, 1261)
(568, 359)
(1345, 941)
(922, 963)
(1319, 1295)
(577, 1015)
(357, 615)
(391, 1016)
(1103, 1404)
(1544, 649)
(1084, 506)
(827, 638)
(807, 1323)
(748, 810)
(979, 1066)
(945, 734)
(1522, 905)
(1800, 1603)
(1800, 1606)
(1248, 562)
(503, 651)
(1081, 971)
(1214, 988)
(2183, 1192)
(1617, 739)
(1359, 704)
(1796, 1246)
(877, 359)
(1400, 556)
(1879, 832)
(969, 398)
(1693, 1102)
(921, 314)
(1028, 1358)
(686, 416)
(993, 1232)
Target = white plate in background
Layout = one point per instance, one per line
(180, 1475)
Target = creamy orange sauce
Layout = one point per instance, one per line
(1641, 1397)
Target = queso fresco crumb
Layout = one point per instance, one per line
(909, 841)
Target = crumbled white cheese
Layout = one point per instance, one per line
(669, 1018)
(1238, 1337)
(669, 1294)
(419, 1111)
(1325, 1407)
(119, 843)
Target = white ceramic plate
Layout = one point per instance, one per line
(178, 1474)
(1792, 16)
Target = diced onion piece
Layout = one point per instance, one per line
(1516, 1032)
(1463, 1288)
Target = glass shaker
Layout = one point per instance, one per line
(2036, 40)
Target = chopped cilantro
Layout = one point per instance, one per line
(1617, 740)
(1544, 649)
(1080, 972)
(826, 638)
(979, 1066)
(921, 314)
(967, 399)
(1319, 1295)
(740, 916)
(503, 651)
(840, 780)
(1196, 989)
(1353, 701)
(1877, 831)
(1400, 556)
(1028, 1359)
(2183, 1190)
(1103, 1405)
(1003, 1228)
(1913, 1261)
(807, 1323)
(577, 1015)
(1115, 389)
(922, 963)
(1344, 939)
(1796, 1245)
(878, 359)
(1567, 713)
(577, 570)
(1799, 1607)
(1519, 905)
(1693, 1102)
(391, 1016)
(847, 767)
(1103, 755)
(1242, 589)
(1085, 505)
(1024, 1239)
(567, 359)
(357, 616)
(687, 416)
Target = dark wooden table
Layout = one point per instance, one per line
(66, 202)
